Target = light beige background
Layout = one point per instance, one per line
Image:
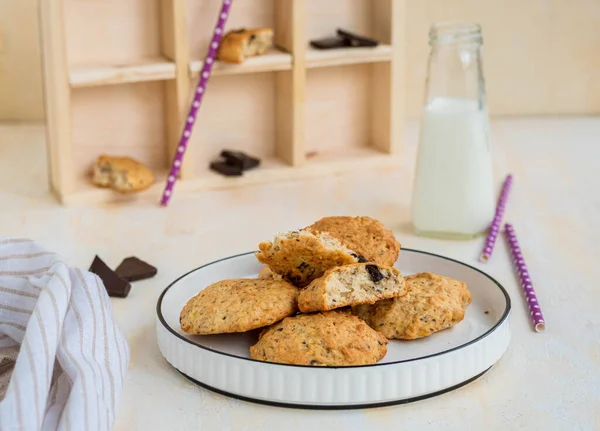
(20, 64)
(540, 56)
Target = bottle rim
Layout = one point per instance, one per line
(450, 33)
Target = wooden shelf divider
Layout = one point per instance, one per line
(175, 46)
(388, 79)
(57, 99)
(291, 85)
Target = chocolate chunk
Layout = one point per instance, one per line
(134, 269)
(292, 279)
(226, 169)
(359, 258)
(240, 160)
(374, 273)
(115, 285)
(356, 40)
(330, 43)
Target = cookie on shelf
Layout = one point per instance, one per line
(432, 303)
(122, 174)
(359, 283)
(331, 338)
(366, 236)
(238, 45)
(302, 256)
(238, 305)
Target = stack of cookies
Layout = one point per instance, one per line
(329, 295)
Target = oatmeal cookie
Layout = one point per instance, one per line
(122, 174)
(239, 44)
(238, 305)
(265, 272)
(433, 303)
(364, 235)
(331, 338)
(358, 283)
(301, 256)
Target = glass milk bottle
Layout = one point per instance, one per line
(453, 194)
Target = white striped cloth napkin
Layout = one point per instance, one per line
(62, 357)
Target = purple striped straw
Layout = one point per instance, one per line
(497, 221)
(534, 306)
(198, 96)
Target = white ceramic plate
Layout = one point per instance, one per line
(411, 370)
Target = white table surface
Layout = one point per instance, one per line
(545, 381)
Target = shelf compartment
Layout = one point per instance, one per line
(132, 124)
(343, 56)
(148, 69)
(338, 117)
(353, 116)
(272, 61)
(201, 16)
(249, 126)
(111, 31)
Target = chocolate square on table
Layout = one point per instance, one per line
(115, 285)
(135, 269)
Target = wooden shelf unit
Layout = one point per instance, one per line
(119, 75)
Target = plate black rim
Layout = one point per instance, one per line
(336, 406)
(502, 319)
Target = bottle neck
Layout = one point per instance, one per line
(455, 70)
(455, 36)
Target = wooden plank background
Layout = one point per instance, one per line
(540, 56)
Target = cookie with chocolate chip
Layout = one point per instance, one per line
(433, 303)
(122, 174)
(358, 283)
(302, 256)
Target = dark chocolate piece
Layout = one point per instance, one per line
(330, 43)
(226, 169)
(374, 273)
(355, 39)
(115, 285)
(360, 258)
(240, 160)
(134, 269)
